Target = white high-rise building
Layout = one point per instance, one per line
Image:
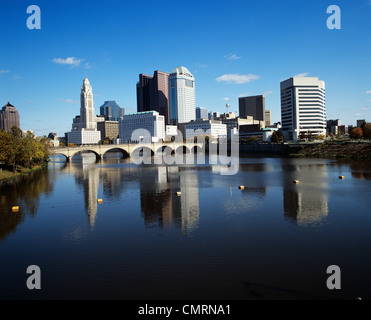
(213, 128)
(303, 107)
(182, 100)
(145, 122)
(87, 112)
(84, 128)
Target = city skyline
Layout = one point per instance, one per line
(245, 49)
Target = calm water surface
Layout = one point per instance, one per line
(272, 240)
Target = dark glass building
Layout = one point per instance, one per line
(111, 111)
(9, 117)
(253, 106)
(153, 93)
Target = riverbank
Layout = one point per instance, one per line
(335, 150)
(6, 174)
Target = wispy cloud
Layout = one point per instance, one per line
(365, 108)
(4, 71)
(266, 93)
(304, 74)
(237, 78)
(368, 91)
(358, 114)
(245, 94)
(72, 61)
(226, 99)
(232, 56)
(70, 101)
(200, 65)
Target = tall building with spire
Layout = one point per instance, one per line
(87, 112)
(182, 99)
(84, 128)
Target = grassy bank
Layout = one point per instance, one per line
(333, 150)
(6, 174)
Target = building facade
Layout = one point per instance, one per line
(153, 93)
(303, 107)
(182, 97)
(149, 121)
(268, 118)
(108, 129)
(211, 128)
(235, 123)
(9, 117)
(253, 106)
(201, 113)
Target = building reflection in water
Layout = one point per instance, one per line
(305, 203)
(87, 176)
(160, 206)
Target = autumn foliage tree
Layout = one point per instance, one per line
(356, 133)
(366, 129)
(25, 151)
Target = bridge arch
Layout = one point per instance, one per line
(124, 152)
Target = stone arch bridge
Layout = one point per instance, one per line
(129, 149)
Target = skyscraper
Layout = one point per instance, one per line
(144, 93)
(111, 111)
(268, 118)
(87, 112)
(9, 117)
(182, 100)
(303, 107)
(253, 106)
(153, 93)
(84, 128)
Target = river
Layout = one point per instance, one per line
(274, 239)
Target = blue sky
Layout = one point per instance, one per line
(233, 48)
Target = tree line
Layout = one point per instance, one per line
(19, 151)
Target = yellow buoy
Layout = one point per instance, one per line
(341, 177)
(241, 187)
(15, 209)
(178, 193)
(296, 181)
(100, 200)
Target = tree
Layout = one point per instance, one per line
(366, 129)
(274, 137)
(310, 135)
(321, 137)
(280, 135)
(25, 151)
(356, 133)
